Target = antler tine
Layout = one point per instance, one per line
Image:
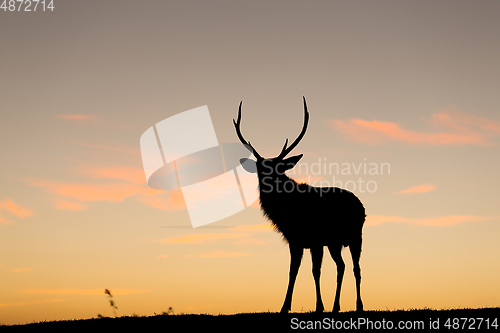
(285, 151)
(284, 148)
(240, 136)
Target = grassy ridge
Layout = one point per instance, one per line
(455, 319)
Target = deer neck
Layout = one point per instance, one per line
(272, 185)
(275, 195)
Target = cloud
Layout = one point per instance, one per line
(15, 209)
(20, 270)
(451, 127)
(129, 174)
(203, 238)
(373, 220)
(5, 221)
(73, 195)
(76, 116)
(424, 188)
(222, 254)
(113, 192)
(68, 205)
(254, 227)
(31, 302)
(245, 241)
(84, 291)
(170, 201)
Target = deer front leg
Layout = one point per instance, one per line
(295, 259)
(317, 258)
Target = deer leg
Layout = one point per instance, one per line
(335, 252)
(295, 259)
(317, 258)
(355, 254)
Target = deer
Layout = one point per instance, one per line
(307, 217)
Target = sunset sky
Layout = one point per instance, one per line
(410, 88)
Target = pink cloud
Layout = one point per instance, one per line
(163, 256)
(222, 254)
(170, 201)
(451, 127)
(253, 227)
(203, 238)
(72, 195)
(84, 291)
(424, 188)
(68, 205)
(129, 174)
(94, 192)
(31, 302)
(5, 221)
(14, 209)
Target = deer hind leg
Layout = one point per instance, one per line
(355, 254)
(335, 252)
(296, 253)
(317, 258)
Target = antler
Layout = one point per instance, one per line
(240, 136)
(286, 150)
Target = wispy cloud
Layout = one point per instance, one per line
(84, 291)
(203, 238)
(163, 256)
(424, 188)
(373, 220)
(31, 302)
(12, 208)
(129, 174)
(68, 205)
(253, 227)
(222, 254)
(249, 240)
(450, 127)
(15, 209)
(76, 116)
(5, 221)
(124, 182)
(93, 192)
(170, 201)
(240, 234)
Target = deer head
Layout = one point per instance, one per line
(270, 167)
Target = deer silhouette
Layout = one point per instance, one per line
(307, 217)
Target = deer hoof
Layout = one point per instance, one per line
(285, 309)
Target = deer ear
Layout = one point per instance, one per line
(291, 161)
(249, 165)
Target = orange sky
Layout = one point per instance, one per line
(409, 85)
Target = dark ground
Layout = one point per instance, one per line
(452, 320)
